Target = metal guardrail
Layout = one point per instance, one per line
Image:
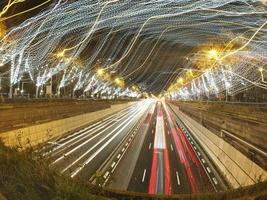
(243, 142)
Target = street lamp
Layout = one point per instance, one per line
(100, 72)
(61, 54)
(213, 54)
(119, 82)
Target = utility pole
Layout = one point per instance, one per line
(36, 92)
(226, 95)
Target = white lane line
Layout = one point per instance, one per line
(83, 136)
(144, 175)
(214, 180)
(208, 169)
(118, 156)
(177, 177)
(113, 164)
(82, 144)
(53, 143)
(106, 174)
(203, 160)
(150, 145)
(129, 120)
(198, 153)
(171, 147)
(96, 125)
(123, 149)
(195, 148)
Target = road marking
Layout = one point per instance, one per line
(119, 156)
(214, 180)
(106, 174)
(53, 143)
(113, 164)
(149, 145)
(177, 177)
(123, 149)
(191, 142)
(203, 160)
(126, 144)
(208, 169)
(195, 148)
(198, 153)
(171, 147)
(144, 175)
(189, 138)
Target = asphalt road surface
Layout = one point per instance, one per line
(143, 148)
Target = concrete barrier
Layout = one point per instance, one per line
(37, 134)
(236, 167)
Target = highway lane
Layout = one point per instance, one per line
(190, 171)
(123, 171)
(208, 174)
(143, 148)
(55, 147)
(141, 175)
(160, 170)
(194, 176)
(81, 153)
(179, 180)
(152, 171)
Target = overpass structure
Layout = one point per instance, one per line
(138, 97)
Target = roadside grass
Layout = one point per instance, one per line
(26, 176)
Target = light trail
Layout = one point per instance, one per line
(111, 31)
(20, 13)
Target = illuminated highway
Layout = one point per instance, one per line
(143, 148)
(138, 98)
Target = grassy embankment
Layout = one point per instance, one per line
(24, 175)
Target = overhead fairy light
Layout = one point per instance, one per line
(51, 42)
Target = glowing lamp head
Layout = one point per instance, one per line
(213, 54)
(100, 72)
(61, 54)
(119, 82)
(181, 80)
